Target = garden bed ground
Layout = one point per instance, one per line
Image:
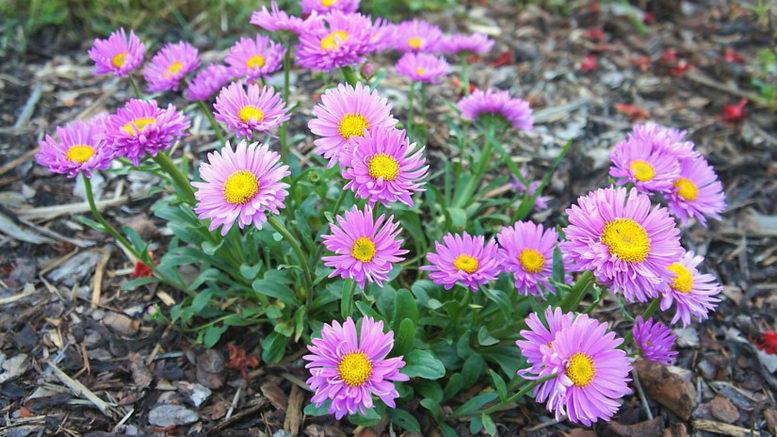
(79, 357)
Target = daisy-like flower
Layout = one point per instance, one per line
(468, 260)
(118, 54)
(365, 249)
(345, 114)
(141, 128)
(592, 373)
(526, 250)
(538, 339)
(654, 340)
(207, 82)
(628, 245)
(240, 185)
(662, 139)
(276, 20)
(383, 168)
(327, 6)
(696, 193)
(170, 65)
(693, 293)
(254, 58)
(348, 369)
(417, 36)
(335, 40)
(422, 67)
(79, 147)
(647, 168)
(514, 111)
(461, 44)
(244, 111)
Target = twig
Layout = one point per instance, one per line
(247, 412)
(50, 212)
(18, 160)
(29, 106)
(99, 270)
(701, 78)
(641, 393)
(233, 404)
(80, 390)
(15, 297)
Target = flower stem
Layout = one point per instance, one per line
(179, 179)
(134, 86)
(410, 111)
(422, 104)
(281, 229)
(213, 123)
(346, 301)
(283, 134)
(107, 226)
(349, 75)
(578, 291)
(649, 311)
(507, 403)
(464, 75)
(480, 169)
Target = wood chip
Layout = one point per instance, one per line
(721, 428)
(97, 279)
(293, 419)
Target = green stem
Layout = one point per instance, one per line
(349, 75)
(578, 291)
(283, 134)
(649, 311)
(339, 202)
(480, 169)
(410, 110)
(346, 301)
(507, 403)
(135, 87)
(110, 229)
(464, 74)
(422, 103)
(213, 123)
(303, 264)
(179, 179)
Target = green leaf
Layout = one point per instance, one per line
(404, 307)
(474, 404)
(429, 390)
(488, 424)
(312, 410)
(212, 335)
(446, 430)
(369, 418)
(138, 282)
(432, 406)
(275, 290)
(405, 338)
(92, 224)
(475, 424)
(558, 265)
(404, 420)
(250, 272)
(367, 311)
(273, 347)
(422, 364)
(458, 218)
(473, 368)
(485, 338)
(454, 386)
(210, 248)
(299, 323)
(499, 384)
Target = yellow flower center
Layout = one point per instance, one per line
(240, 187)
(353, 125)
(626, 239)
(466, 263)
(328, 3)
(415, 42)
(255, 61)
(642, 170)
(420, 71)
(137, 125)
(383, 166)
(363, 249)
(119, 59)
(355, 369)
(581, 369)
(333, 40)
(531, 260)
(80, 153)
(249, 113)
(173, 69)
(686, 189)
(683, 280)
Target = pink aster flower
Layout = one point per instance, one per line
(327, 6)
(244, 111)
(348, 369)
(335, 40)
(79, 147)
(497, 103)
(655, 341)
(365, 249)
(170, 65)
(627, 244)
(384, 167)
(661, 139)
(276, 20)
(240, 185)
(207, 82)
(468, 260)
(461, 44)
(649, 169)
(417, 36)
(693, 293)
(526, 250)
(117, 54)
(422, 67)
(696, 193)
(592, 373)
(254, 58)
(345, 114)
(141, 128)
